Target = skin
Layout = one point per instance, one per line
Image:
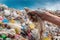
(47, 17)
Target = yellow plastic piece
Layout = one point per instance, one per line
(12, 21)
(32, 26)
(46, 38)
(1, 22)
(17, 30)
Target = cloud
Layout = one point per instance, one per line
(52, 6)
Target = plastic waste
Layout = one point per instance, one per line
(32, 26)
(3, 36)
(12, 21)
(6, 12)
(46, 38)
(5, 20)
(8, 38)
(1, 18)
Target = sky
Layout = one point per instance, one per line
(32, 4)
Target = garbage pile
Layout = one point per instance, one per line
(15, 25)
(51, 30)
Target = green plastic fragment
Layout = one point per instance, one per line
(4, 36)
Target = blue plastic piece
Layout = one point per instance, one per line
(5, 20)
